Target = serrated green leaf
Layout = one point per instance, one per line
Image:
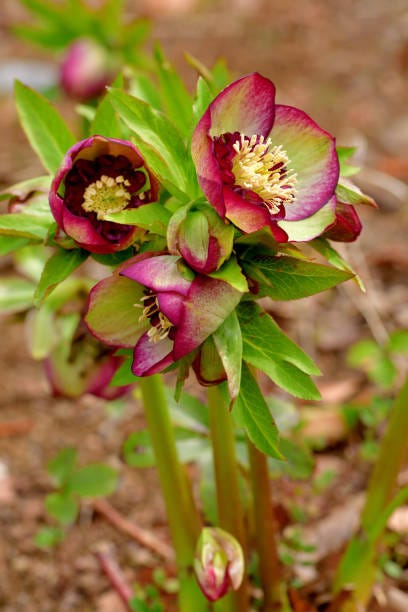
(60, 265)
(63, 507)
(176, 100)
(94, 480)
(16, 295)
(267, 348)
(61, 467)
(228, 341)
(33, 227)
(160, 144)
(45, 129)
(349, 193)
(289, 278)
(203, 98)
(153, 217)
(105, 120)
(259, 329)
(323, 247)
(8, 244)
(251, 412)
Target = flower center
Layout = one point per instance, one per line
(261, 168)
(106, 195)
(160, 325)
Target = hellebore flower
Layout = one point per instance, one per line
(262, 164)
(86, 70)
(219, 563)
(201, 237)
(159, 306)
(99, 176)
(85, 366)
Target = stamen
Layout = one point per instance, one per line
(106, 195)
(262, 168)
(160, 325)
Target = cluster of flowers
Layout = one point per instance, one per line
(259, 165)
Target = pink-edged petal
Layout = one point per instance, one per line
(307, 229)
(171, 305)
(159, 273)
(151, 357)
(113, 311)
(86, 236)
(208, 170)
(99, 383)
(208, 304)
(312, 154)
(246, 106)
(250, 217)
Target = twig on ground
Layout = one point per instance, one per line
(142, 536)
(115, 576)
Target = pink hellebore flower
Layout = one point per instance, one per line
(262, 164)
(219, 563)
(159, 306)
(85, 70)
(99, 176)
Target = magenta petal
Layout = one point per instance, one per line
(246, 106)
(209, 303)
(159, 273)
(151, 357)
(347, 225)
(171, 305)
(312, 154)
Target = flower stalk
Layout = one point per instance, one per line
(265, 530)
(230, 510)
(182, 515)
(357, 567)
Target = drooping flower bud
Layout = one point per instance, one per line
(201, 237)
(86, 70)
(219, 563)
(347, 225)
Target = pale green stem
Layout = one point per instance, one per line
(183, 518)
(230, 511)
(265, 530)
(357, 567)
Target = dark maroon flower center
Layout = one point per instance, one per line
(256, 170)
(106, 184)
(160, 326)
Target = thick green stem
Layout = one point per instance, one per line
(230, 511)
(265, 530)
(182, 515)
(357, 567)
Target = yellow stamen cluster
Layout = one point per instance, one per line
(106, 195)
(159, 330)
(253, 165)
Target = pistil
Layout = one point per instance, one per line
(106, 195)
(160, 325)
(263, 169)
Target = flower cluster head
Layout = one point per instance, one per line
(85, 70)
(262, 164)
(219, 563)
(99, 176)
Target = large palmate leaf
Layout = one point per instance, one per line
(289, 278)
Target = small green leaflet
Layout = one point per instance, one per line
(60, 265)
(252, 413)
(289, 278)
(93, 480)
(267, 348)
(153, 217)
(45, 129)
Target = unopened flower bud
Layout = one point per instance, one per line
(347, 225)
(201, 237)
(219, 563)
(86, 70)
